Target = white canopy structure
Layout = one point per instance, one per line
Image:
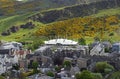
(61, 41)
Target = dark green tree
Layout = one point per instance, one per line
(115, 75)
(97, 76)
(35, 66)
(77, 75)
(84, 75)
(67, 64)
(51, 74)
(103, 67)
(58, 68)
(16, 67)
(37, 43)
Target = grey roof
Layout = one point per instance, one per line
(4, 51)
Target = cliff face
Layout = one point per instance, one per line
(74, 11)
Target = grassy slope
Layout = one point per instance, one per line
(6, 23)
(20, 19)
(113, 11)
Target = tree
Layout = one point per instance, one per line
(84, 75)
(37, 43)
(97, 76)
(103, 67)
(77, 75)
(58, 68)
(16, 67)
(51, 74)
(67, 64)
(115, 75)
(35, 66)
(82, 41)
(107, 49)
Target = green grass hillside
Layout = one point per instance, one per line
(26, 34)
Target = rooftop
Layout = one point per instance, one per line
(61, 41)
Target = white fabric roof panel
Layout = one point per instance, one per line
(61, 41)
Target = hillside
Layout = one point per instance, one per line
(74, 11)
(27, 34)
(23, 26)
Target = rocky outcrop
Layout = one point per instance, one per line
(28, 25)
(74, 11)
(5, 33)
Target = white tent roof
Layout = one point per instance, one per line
(61, 41)
(117, 43)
